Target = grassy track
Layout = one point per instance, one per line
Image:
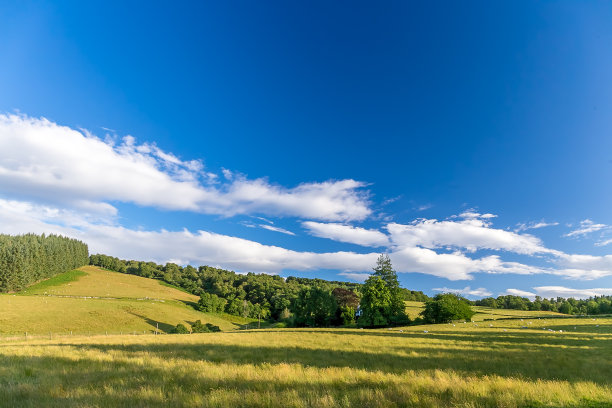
(466, 365)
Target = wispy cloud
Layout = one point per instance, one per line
(467, 291)
(586, 227)
(276, 229)
(559, 291)
(534, 225)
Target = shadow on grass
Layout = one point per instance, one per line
(163, 327)
(528, 362)
(531, 338)
(68, 382)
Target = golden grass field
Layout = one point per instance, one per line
(466, 365)
(524, 362)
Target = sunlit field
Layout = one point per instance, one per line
(554, 362)
(89, 345)
(92, 301)
(485, 313)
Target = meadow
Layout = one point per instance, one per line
(524, 360)
(463, 365)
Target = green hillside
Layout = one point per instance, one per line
(94, 301)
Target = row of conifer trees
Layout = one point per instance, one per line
(25, 259)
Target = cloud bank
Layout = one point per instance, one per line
(56, 179)
(42, 160)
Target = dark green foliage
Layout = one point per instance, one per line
(180, 329)
(314, 307)
(211, 303)
(347, 302)
(413, 295)
(375, 303)
(592, 306)
(248, 295)
(25, 259)
(382, 303)
(444, 308)
(397, 307)
(198, 327)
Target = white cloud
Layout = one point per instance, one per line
(44, 161)
(586, 227)
(534, 225)
(276, 229)
(471, 234)
(604, 243)
(357, 277)
(561, 291)
(205, 247)
(467, 291)
(588, 267)
(201, 247)
(347, 233)
(521, 293)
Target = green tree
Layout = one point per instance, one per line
(444, 308)
(314, 307)
(211, 303)
(375, 303)
(383, 307)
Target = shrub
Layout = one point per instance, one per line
(180, 329)
(198, 327)
(444, 308)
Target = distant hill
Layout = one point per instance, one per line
(92, 300)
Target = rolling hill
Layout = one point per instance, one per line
(91, 300)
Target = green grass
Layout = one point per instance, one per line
(414, 308)
(522, 359)
(465, 365)
(57, 280)
(91, 300)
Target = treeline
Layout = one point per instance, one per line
(25, 259)
(254, 295)
(591, 306)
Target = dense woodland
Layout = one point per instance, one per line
(593, 305)
(25, 259)
(254, 295)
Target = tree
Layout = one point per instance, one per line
(382, 307)
(384, 269)
(375, 303)
(211, 303)
(444, 308)
(347, 302)
(314, 307)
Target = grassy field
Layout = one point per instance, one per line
(94, 301)
(461, 365)
(414, 308)
(526, 359)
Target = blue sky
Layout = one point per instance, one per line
(470, 141)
